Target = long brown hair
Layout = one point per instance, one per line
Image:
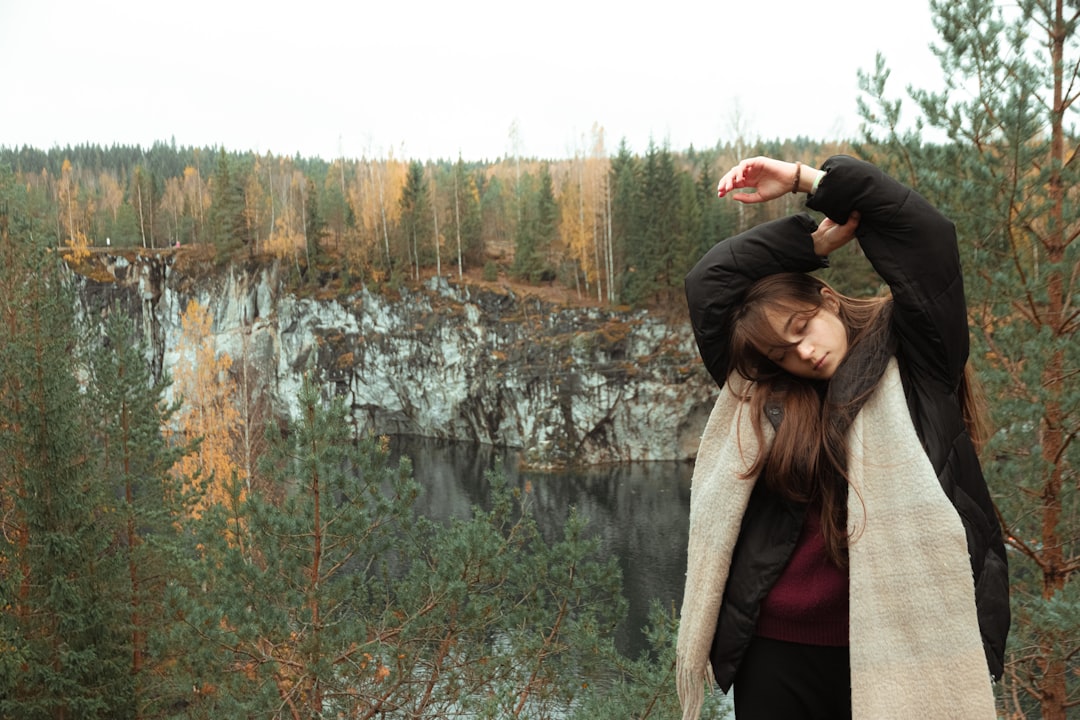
(807, 460)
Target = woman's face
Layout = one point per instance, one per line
(816, 342)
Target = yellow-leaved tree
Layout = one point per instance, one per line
(374, 200)
(172, 203)
(209, 415)
(112, 195)
(196, 199)
(68, 192)
(288, 237)
(584, 217)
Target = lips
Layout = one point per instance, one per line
(819, 363)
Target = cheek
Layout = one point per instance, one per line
(838, 333)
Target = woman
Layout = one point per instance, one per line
(845, 559)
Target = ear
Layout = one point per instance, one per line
(832, 302)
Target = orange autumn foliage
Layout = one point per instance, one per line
(209, 412)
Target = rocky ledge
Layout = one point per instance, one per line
(567, 384)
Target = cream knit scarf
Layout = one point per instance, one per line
(916, 650)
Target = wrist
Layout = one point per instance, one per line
(808, 179)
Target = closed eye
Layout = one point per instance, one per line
(778, 353)
(797, 322)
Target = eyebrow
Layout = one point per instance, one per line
(796, 314)
(787, 325)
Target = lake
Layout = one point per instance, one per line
(639, 511)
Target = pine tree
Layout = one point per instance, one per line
(537, 227)
(65, 651)
(690, 219)
(314, 224)
(644, 686)
(497, 212)
(506, 621)
(336, 213)
(283, 613)
(468, 225)
(626, 218)
(228, 224)
(526, 256)
(337, 601)
(718, 219)
(1009, 178)
(651, 255)
(547, 225)
(416, 218)
(129, 417)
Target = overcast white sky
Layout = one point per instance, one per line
(434, 79)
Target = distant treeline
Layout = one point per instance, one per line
(620, 228)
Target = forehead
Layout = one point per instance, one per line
(781, 316)
(769, 324)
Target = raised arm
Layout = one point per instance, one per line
(912, 246)
(768, 179)
(716, 285)
(718, 282)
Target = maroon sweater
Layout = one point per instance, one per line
(809, 603)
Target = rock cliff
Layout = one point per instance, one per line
(567, 384)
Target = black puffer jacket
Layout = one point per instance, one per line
(913, 248)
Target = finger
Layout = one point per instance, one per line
(749, 169)
(748, 197)
(726, 184)
(735, 178)
(742, 169)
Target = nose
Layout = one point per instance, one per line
(805, 350)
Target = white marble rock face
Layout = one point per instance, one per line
(566, 384)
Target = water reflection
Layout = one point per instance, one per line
(639, 511)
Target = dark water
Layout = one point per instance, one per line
(639, 511)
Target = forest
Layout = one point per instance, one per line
(148, 571)
(619, 229)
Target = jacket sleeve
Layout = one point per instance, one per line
(913, 248)
(716, 285)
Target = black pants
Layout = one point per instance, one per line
(789, 681)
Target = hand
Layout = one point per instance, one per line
(829, 236)
(768, 177)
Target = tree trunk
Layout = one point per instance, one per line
(435, 218)
(457, 223)
(142, 221)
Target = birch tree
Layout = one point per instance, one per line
(112, 195)
(196, 200)
(172, 204)
(68, 196)
(141, 196)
